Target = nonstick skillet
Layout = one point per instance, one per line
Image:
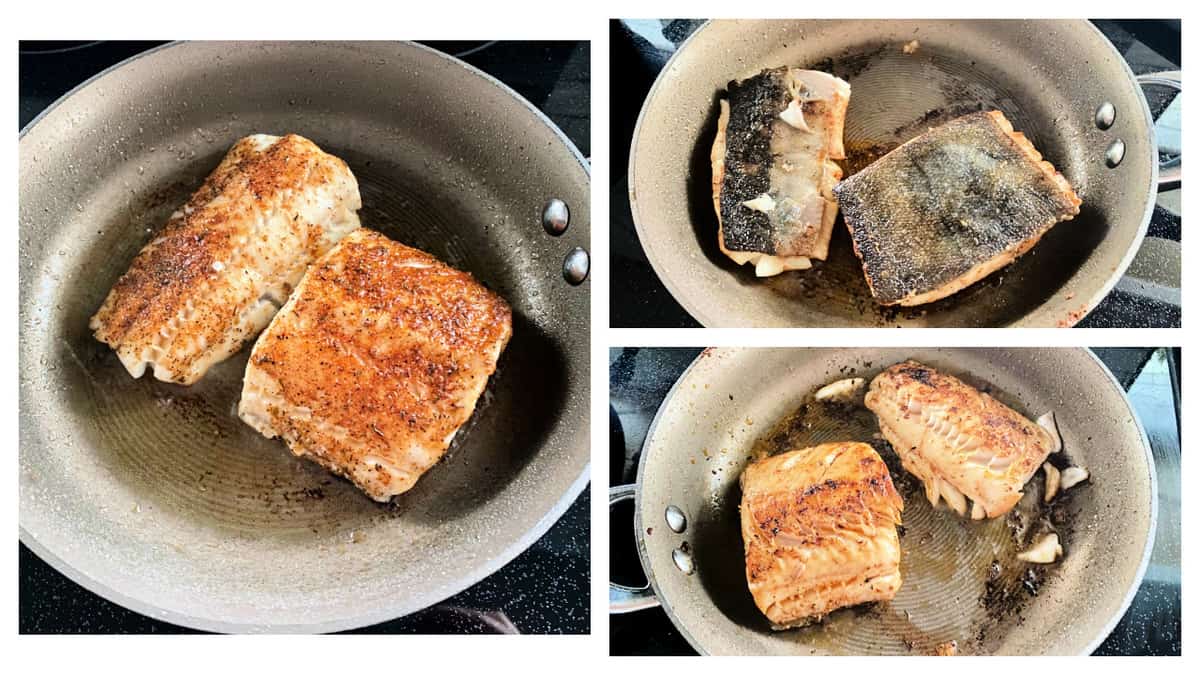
(961, 580)
(1060, 82)
(156, 496)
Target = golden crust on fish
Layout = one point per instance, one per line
(950, 207)
(962, 443)
(222, 265)
(772, 167)
(819, 527)
(375, 362)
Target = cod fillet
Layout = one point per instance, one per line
(819, 525)
(773, 168)
(961, 443)
(224, 263)
(375, 362)
(950, 207)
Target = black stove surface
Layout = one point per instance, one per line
(639, 380)
(543, 590)
(640, 48)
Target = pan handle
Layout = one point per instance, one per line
(1170, 172)
(623, 599)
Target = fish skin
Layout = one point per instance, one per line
(375, 362)
(819, 528)
(961, 442)
(756, 152)
(222, 265)
(950, 207)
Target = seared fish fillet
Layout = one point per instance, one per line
(224, 263)
(819, 526)
(961, 443)
(950, 207)
(375, 362)
(773, 169)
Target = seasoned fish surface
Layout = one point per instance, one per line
(950, 207)
(819, 525)
(224, 263)
(773, 169)
(375, 362)
(961, 443)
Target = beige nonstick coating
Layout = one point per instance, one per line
(157, 496)
(730, 399)
(1047, 77)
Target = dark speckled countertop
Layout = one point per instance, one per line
(639, 380)
(543, 590)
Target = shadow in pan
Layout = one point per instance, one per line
(700, 193)
(502, 436)
(721, 564)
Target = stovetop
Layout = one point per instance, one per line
(1147, 296)
(639, 380)
(543, 590)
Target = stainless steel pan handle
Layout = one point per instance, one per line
(623, 599)
(1170, 173)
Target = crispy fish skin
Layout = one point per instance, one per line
(224, 263)
(950, 207)
(961, 443)
(772, 168)
(819, 527)
(375, 362)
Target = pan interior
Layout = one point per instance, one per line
(158, 494)
(961, 581)
(958, 67)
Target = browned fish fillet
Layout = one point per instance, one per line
(375, 362)
(961, 443)
(224, 263)
(819, 525)
(950, 207)
(773, 168)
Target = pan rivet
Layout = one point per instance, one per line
(1106, 114)
(675, 519)
(575, 266)
(555, 217)
(1115, 153)
(683, 560)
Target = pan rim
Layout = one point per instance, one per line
(699, 314)
(331, 626)
(1101, 636)
(348, 622)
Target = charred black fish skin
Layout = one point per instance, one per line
(950, 207)
(754, 104)
(773, 168)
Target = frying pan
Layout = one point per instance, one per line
(1050, 78)
(156, 496)
(689, 539)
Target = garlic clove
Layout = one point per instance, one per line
(794, 116)
(954, 498)
(1048, 423)
(1045, 551)
(932, 493)
(762, 203)
(1053, 481)
(977, 511)
(842, 390)
(1073, 475)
